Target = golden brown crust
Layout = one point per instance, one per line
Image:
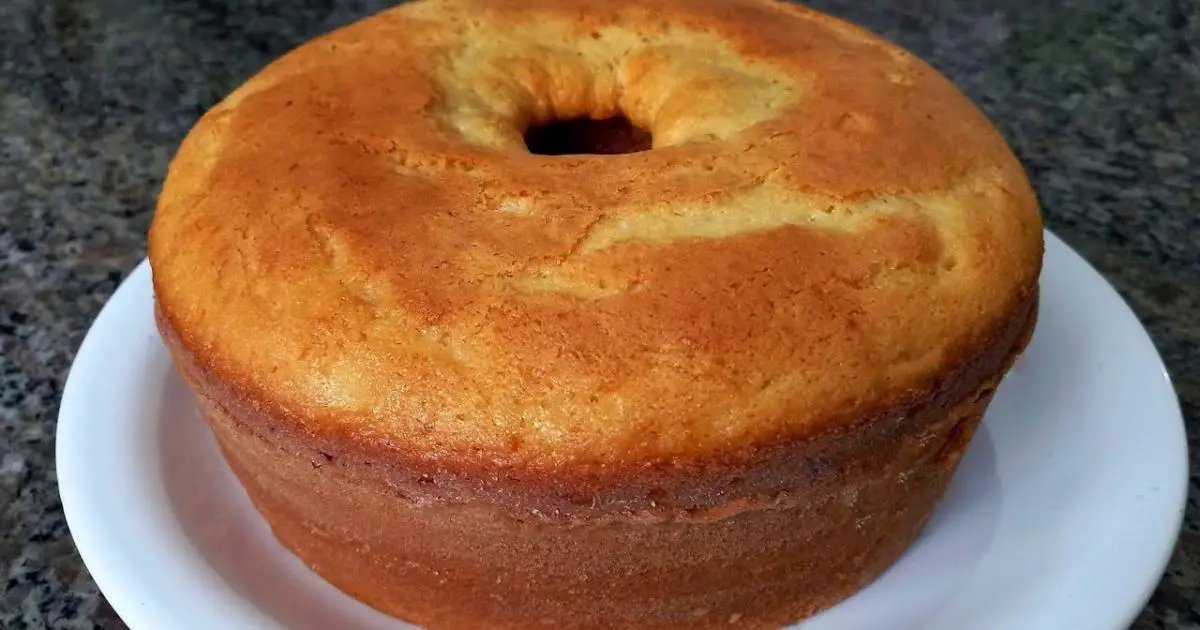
(771, 541)
(354, 245)
(783, 474)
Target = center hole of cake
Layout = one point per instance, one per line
(585, 136)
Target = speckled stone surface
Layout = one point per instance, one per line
(1100, 99)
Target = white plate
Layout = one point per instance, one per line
(1063, 513)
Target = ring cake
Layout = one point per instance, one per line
(581, 315)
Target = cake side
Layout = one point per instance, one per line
(775, 474)
(514, 552)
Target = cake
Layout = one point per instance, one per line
(628, 314)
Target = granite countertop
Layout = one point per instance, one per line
(1101, 100)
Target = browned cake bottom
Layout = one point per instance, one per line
(449, 563)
